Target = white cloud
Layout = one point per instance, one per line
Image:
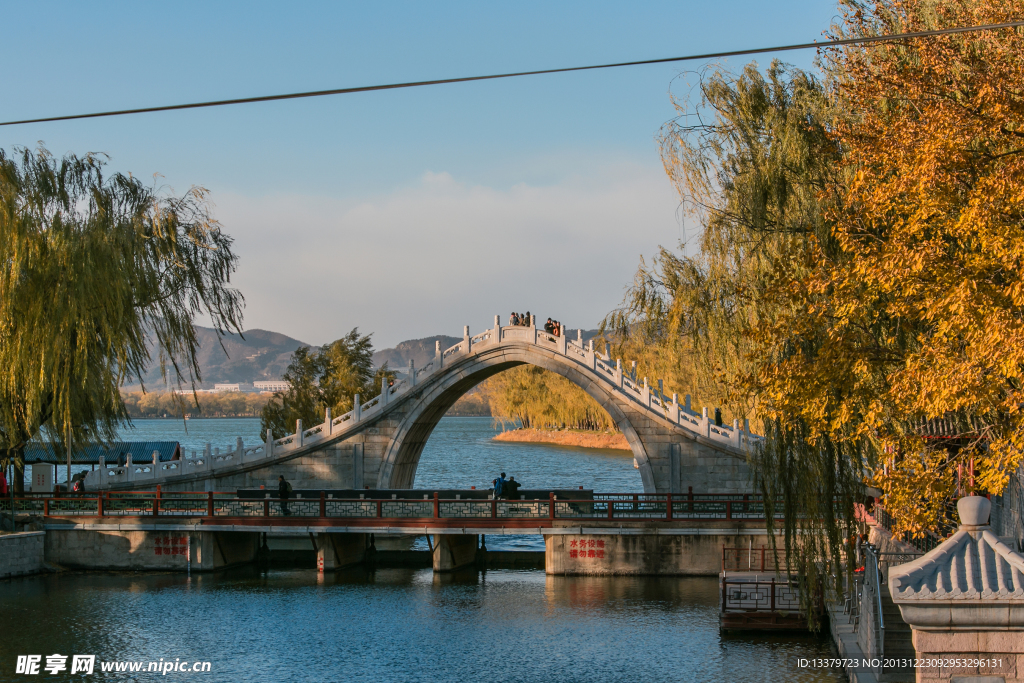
(443, 253)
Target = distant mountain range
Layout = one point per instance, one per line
(257, 355)
(420, 351)
(254, 355)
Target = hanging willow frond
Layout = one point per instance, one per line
(99, 274)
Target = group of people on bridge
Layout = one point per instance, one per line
(552, 327)
(520, 319)
(506, 488)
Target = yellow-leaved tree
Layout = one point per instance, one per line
(917, 314)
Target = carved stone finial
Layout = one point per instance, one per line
(974, 510)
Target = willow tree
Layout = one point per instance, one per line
(749, 157)
(99, 274)
(537, 398)
(752, 159)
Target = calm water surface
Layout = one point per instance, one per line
(402, 625)
(459, 454)
(395, 625)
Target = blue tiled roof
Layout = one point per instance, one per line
(141, 451)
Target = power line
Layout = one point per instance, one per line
(516, 74)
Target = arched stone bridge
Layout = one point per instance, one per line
(378, 444)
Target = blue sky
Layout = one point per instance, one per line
(406, 213)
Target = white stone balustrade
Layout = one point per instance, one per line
(335, 427)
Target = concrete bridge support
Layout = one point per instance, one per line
(644, 553)
(453, 551)
(337, 551)
(174, 550)
(220, 549)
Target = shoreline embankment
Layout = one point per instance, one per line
(607, 440)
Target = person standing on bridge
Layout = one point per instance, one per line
(513, 319)
(284, 491)
(499, 486)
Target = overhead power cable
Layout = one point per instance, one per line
(516, 74)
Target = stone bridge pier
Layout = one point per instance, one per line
(378, 445)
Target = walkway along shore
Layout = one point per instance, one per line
(614, 440)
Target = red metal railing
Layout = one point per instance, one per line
(605, 506)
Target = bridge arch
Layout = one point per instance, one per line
(401, 458)
(380, 442)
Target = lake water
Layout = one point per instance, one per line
(401, 624)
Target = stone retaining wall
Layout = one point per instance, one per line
(22, 553)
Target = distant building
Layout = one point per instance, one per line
(226, 387)
(272, 385)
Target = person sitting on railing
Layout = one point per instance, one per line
(284, 492)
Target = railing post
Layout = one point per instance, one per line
(611, 507)
(156, 502)
(618, 372)
(298, 433)
(467, 342)
(384, 391)
(494, 507)
(266, 507)
(645, 394)
(668, 507)
(209, 504)
(438, 356)
(380, 507)
(46, 507)
(412, 373)
(673, 410)
(497, 329)
(728, 509)
(437, 506)
(689, 495)
(323, 504)
(357, 408)
(562, 342)
(705, 424)
(328, 427)
(99, 505)
(551, 505)
(268, 450)
(762, 558)
(773, 594)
